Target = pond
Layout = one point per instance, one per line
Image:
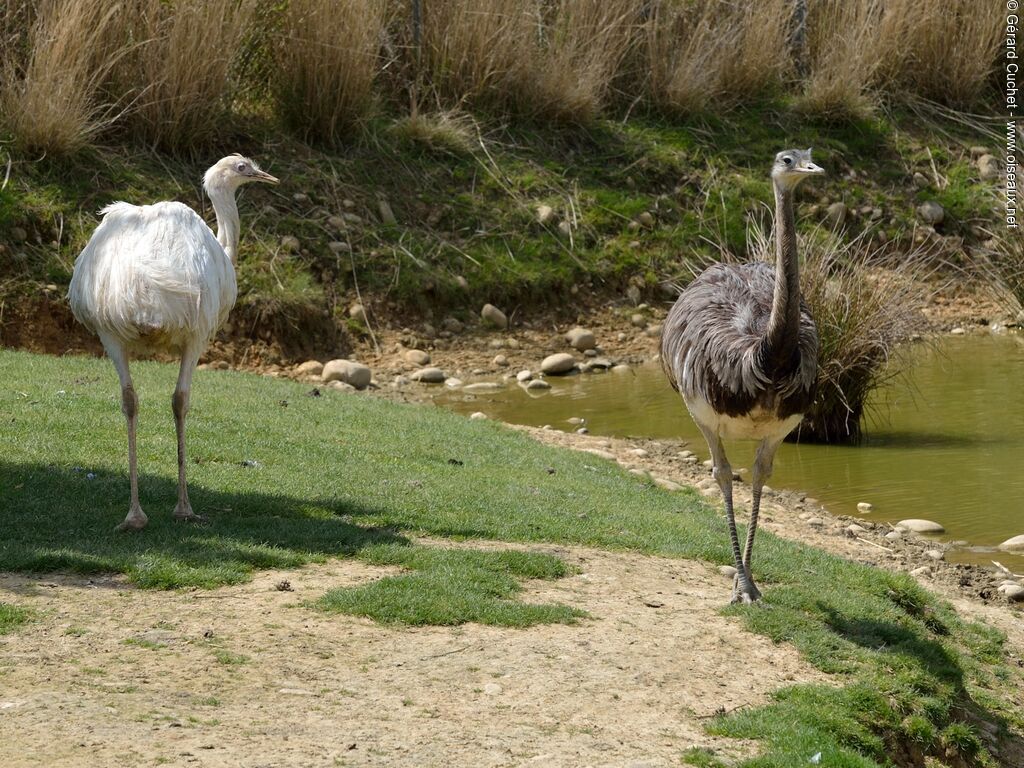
(945, 445)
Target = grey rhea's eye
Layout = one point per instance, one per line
(787, 160)
(241, 167)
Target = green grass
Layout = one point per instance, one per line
(12, 616)
(346, 475)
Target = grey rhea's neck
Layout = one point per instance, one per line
(226, 209)
(784, 322)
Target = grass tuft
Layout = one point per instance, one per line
(12, 616)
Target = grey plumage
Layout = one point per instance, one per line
(740, 346)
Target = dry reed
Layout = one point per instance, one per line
(326, 61)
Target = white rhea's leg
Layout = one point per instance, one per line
(763, 462)
(179, 404)
(136, 519)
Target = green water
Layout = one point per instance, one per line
(947, 446)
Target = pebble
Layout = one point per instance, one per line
(728, 571)
(894, 535)
(931, 213)
(958, 331)
(545, 214)
(387, 216)
(646, 219)
(417, 357)
(494, 316)
(538, 384)
(492, 689)
(524, 375)
(653, 330)
(620, 368)
(453, 383)
(290, 244)
(341, 385)
(854, 528)
(478, 415)
(863, 506)
(1014, 593)
(638, 320)
(338, 246)
(709, 463)
(558, 363)
(935, 554)
(816, 522)
(452, 325)
(924, 570)
(581, 339)
(310, 368)
(348, 372)
(357, 312)
(582, 431)
(429, 376)
(1016, 543)
(639, 452)
(921, 526)
(500, 360)
(988, 167)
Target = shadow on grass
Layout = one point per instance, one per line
(55, 519)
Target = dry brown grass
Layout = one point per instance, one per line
(714, 53)
(51, 77)
(327, 57)
(176, 71)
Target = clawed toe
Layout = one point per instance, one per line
(190, 517)
(135, 521)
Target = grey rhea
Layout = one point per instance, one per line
(154, 278)
(740, 346)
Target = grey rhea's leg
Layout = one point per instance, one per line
(136, 518)
(743, 587)
(763, 463)
(179, 404)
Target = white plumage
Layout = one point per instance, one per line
(154, 278)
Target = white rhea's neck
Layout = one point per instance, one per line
(222, 195)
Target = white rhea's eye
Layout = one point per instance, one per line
(240, 167)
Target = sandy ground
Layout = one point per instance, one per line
(630, 686)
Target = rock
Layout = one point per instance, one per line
(1015, 593)
(931, 213)
(341, 385)
(924, 570)
(600, 454)
(357, 312)
(894, 535)
(633, 294)
(920, 180)
(864, 506)
(536, 384)
(500, 360)
(988, 167)
(582, 431)
(653, 330)
(348, 372)
(621, 368)
(640, 452)
(300, 197)
(524, 375)
(336, 222)
(835, 215)
(1016, 544)
(417, 357)
(639, 472)
(854, 529)
(478, 415)
(453, 383)
(921, 526)
(18, 234)
(558, 363)
(545, 215)
(310, 368)
(387, 216)
(429, 376)
(816, 522)
(494, 316)
(483, 386)
(337, 246)
(977, 151)
(492, 689)
(638, 320)
(935, 554)
(290, 244)
(452, 325)
(667, 484)
(646, 219)
(728, 571)
(581, 339)
(958, 331)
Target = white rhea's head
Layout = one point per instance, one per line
(793, 166)
(231, 172)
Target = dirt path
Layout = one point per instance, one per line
(109, 675)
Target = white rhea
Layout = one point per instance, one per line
(154, 278)
(741, 347)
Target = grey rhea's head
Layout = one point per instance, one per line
(792, 166)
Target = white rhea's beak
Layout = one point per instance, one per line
(264, 176)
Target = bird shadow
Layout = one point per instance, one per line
(55, 519)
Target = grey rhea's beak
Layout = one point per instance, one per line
(812, 168)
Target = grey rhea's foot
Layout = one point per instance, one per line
(183, 514)
(744, 592)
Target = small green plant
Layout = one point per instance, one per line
(701, 757)
(12, 616)
(142, 642)
(229, 658)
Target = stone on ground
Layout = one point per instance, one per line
(558, 363)
(918, 525)
(494, 316)
(347, 372)
(1013, 545)
(581, 339)
(429, 376)
(310, 368)
(417, 357)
